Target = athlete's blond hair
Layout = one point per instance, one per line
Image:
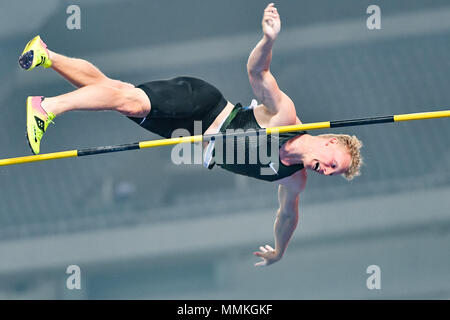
(353, 146)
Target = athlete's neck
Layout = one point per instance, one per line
(294, 150)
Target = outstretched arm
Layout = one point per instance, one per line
(261, 79)
(285, 222)
(259, 60)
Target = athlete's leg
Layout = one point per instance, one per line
(77, 71)
(132, 102)
(82, 73)
(40, 112)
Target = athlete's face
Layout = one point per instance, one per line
(328, 157)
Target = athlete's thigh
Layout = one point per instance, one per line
(118, 84)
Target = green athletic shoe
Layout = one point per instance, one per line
(37, 122)
(35, 54)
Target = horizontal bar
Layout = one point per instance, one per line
(422, 115)
(200, 138)
(107, 149)
(168, 142)
(39, 157)
(299, 127)
(360, 122)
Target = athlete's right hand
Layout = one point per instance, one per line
(271, 22)
(268, 256)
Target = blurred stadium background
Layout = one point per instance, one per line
(140, 227)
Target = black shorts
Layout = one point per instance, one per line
(178, 102)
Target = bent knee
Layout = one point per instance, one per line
(133, 102)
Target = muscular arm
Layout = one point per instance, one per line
(286, 220)
(258, 63)
(261, 79)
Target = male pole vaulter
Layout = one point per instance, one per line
(167, 105)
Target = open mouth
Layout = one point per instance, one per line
(317, 166)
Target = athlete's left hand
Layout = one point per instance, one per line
(268, 256)
(271, 22)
